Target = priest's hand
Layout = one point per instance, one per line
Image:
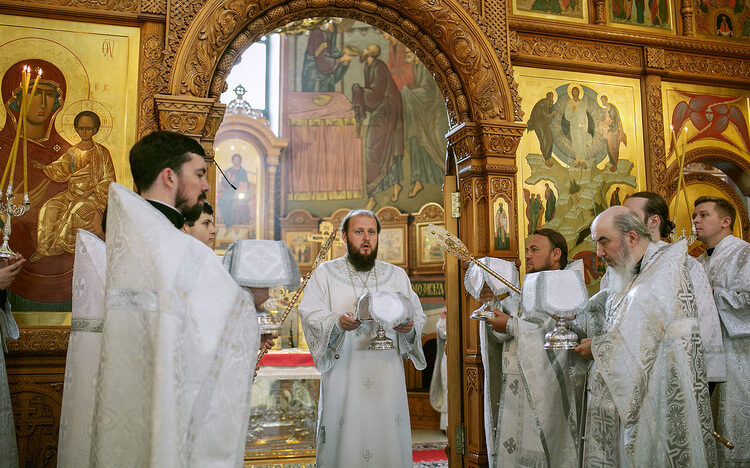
(500, 321)
(405, 327)
(9, 269)
(584, 349)
(348, 322)
(267, 341)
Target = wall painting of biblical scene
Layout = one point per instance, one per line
(365, 120)
(582, 151)
(707, 118)
(726, 19)
(651, 14)
(566, 10)
(236, 211)
(70, 166)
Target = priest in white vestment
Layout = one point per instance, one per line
(648, 393)
(180, 337)
(363, 415)
(8, 331)
(532, 396)
(84, 346)
(727, 262)
(651, 208)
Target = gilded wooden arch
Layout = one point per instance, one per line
(449, 43)
(718, 157)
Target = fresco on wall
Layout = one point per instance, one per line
(569, 10)
(365, 119)
(582, 152)
(725, 19)
(77, 141)
(653, 14)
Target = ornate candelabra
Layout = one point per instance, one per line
(10, 209)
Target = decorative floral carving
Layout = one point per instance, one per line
(580, 51)
(618, 36)
(108, 5)
(655, 123)
(704, 66)
(501, 186)
(37, 340)
(152, 47)
(184, 114)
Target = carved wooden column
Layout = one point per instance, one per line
(686, 11)
(151, 75)
(653, 117)
(600, 12)
(485, 160)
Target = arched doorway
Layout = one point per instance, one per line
(479, 97)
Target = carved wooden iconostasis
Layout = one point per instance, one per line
(646, 60)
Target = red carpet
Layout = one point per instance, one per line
(430, 455)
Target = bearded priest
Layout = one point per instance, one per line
(648, 391)
(363, 415)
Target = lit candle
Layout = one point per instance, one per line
(14, 148)
(25, 147)
(26, 75)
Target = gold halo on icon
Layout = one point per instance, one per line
(575, 85)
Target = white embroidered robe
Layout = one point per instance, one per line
(179, 346)
(532, 396)
(363, 414)
(84, 346)
(708, 318)
(728, 270)
(8, 444)
(439, 381)
(648, 399)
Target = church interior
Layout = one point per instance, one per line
(504, 117)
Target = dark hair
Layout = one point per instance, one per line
(237, 155)
(723, 207)
(557, 241)
(89, 114)
(655, 205)
(205, 208)
(352, 214)
(158, 151)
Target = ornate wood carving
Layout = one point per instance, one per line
(151, 63)
(565, 51)
(130, 6)
(40, 341)
(600, 12)
(655, 58)
(468, 72)
(656, 160)
(183, 114)
(707, 67)
(155, 7)
(686, 12)
(36, 370)
(621, 36)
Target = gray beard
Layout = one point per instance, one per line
(622, 275)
